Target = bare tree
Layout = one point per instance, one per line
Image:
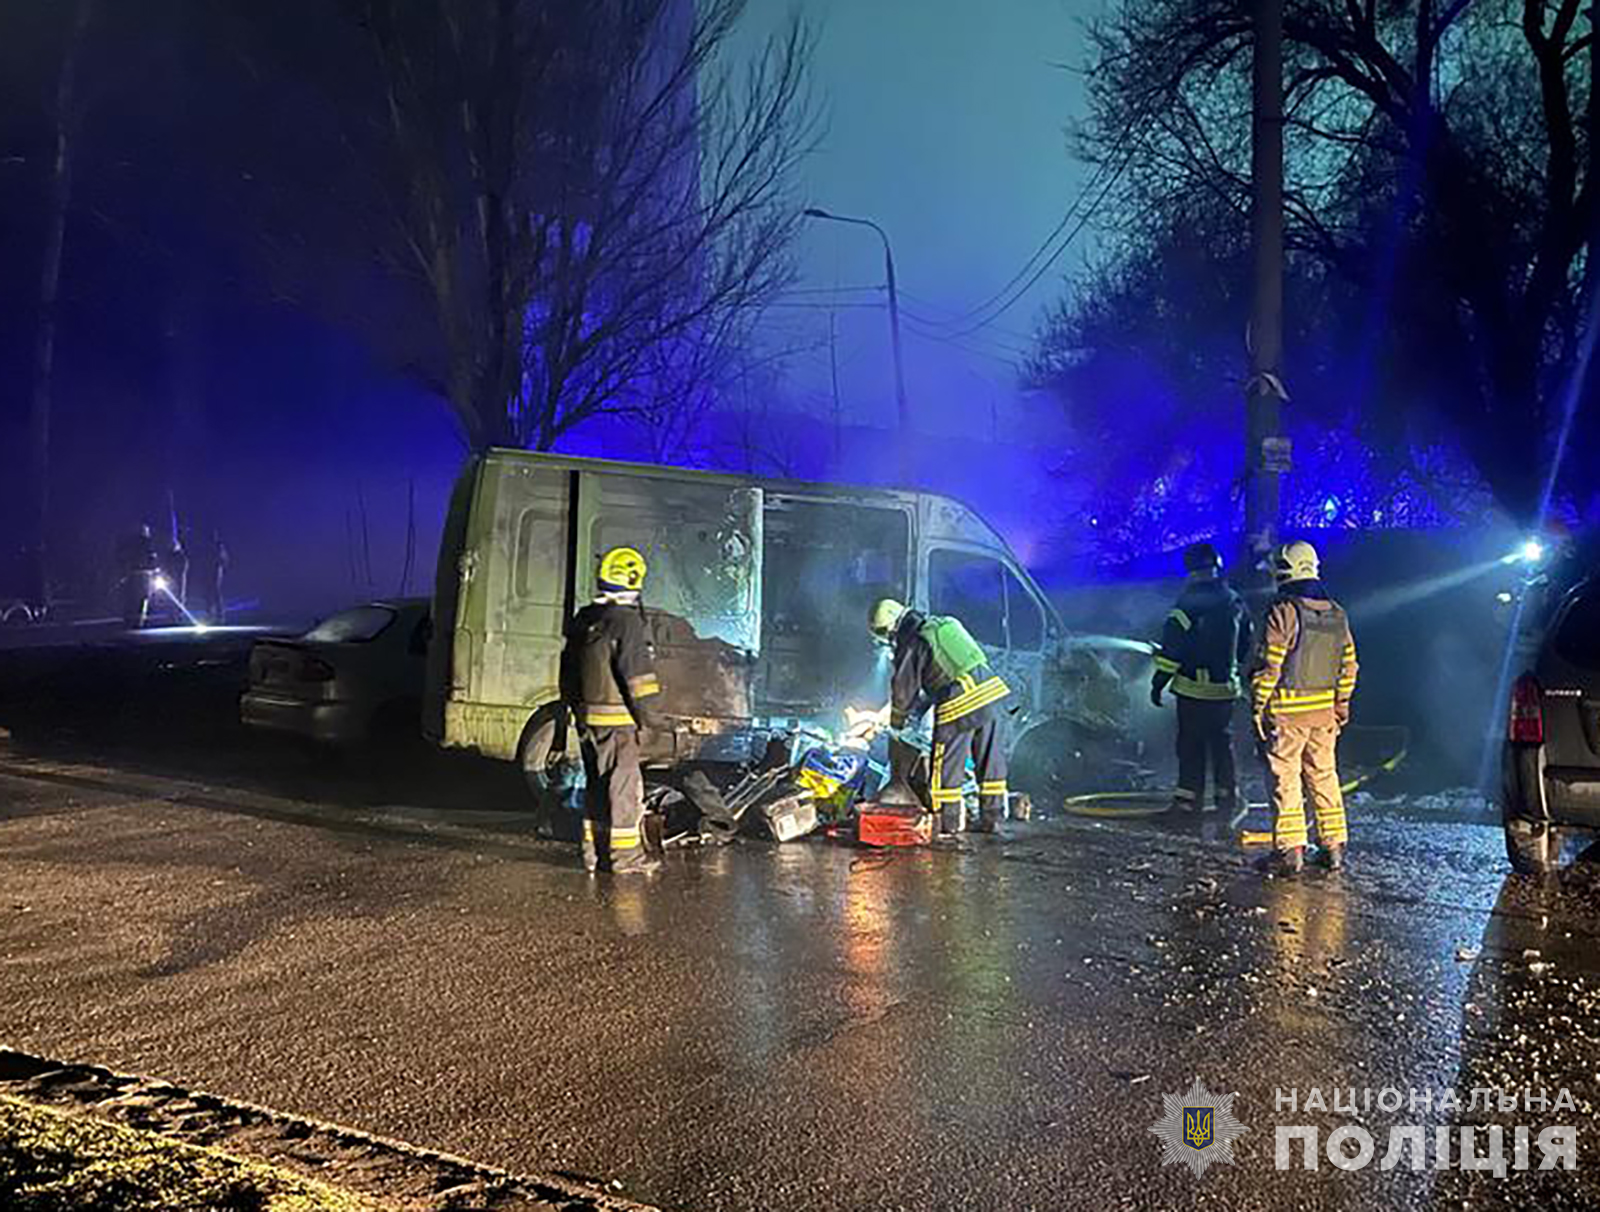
(66, 121)
(1439, 163)
(594, 200)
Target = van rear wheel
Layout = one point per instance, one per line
(552, 771)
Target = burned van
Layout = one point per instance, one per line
(757, 595)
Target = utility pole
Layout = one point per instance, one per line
(42, 400)
(1268, 454)
(902, 405)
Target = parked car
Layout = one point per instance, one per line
(354, 677)
(1551, 766)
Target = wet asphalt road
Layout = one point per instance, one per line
(803, 1027)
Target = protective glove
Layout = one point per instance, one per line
(1157, 685)
(1260, 724)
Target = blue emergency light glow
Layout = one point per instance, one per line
(1531, 552)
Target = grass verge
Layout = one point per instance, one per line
(52, 1161)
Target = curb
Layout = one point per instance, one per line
(389, 1172)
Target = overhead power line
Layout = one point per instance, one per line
(1001, 303)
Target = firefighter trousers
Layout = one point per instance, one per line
(1300, 759)
(1205, 738)
(978, 736)
(614, 798)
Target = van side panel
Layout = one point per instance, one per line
(447, 605)
(513, 589)
(702, 594)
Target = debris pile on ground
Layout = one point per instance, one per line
(808, 782)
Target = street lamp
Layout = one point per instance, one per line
(903, 410)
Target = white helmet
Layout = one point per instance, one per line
(1296, 561)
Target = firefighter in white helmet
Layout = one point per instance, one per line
(1303, 678)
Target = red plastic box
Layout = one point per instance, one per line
(893, 825)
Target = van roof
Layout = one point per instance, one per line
(663, 471)
(960, 515)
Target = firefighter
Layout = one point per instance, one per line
(1204, 643)
(609, 679)
(1304, 676)
(937, 661)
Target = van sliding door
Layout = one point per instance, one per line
(826, 562)
(702, 543)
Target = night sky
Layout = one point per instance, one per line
(947, 126)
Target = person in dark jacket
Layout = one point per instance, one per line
(208, 573)
(609, 680)
(137, 567)
(937, 662)
(1205, 641)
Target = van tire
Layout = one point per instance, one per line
(1049, 762)
(548, 757)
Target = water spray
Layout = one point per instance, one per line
(1113, 643)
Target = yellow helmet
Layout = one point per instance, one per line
(622, 570)
(885, 617)
(1295, 561)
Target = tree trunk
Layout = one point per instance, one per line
(44, 349)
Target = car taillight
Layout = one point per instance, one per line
(313, 670)
(1526, 723)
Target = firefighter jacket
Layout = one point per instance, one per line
(937, 661)
(1205, 642)
(1305, 670)
(608, 673)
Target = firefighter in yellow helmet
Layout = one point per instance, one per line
(1303, 678)
(609, 682)
(937, 662)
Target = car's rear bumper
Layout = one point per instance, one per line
(1535, 790)
(330, 723)
(1573, 794)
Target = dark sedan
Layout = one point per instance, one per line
(355, 677)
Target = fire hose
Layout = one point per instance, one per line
(1135, 805)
